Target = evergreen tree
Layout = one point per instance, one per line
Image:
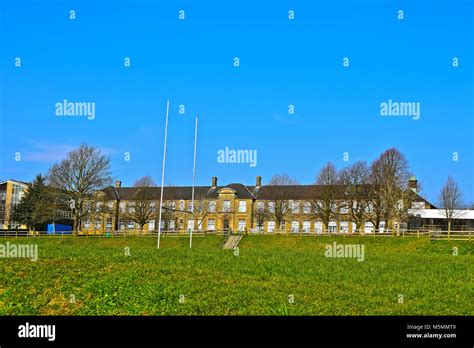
(37, 206)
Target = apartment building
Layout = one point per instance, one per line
(11, 192)
(234, 206)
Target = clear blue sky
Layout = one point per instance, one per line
(283, 62)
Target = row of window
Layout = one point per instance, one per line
(211, 206)
(295, 206)
(305, 226)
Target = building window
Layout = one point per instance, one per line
(295, 207)
(400, 204)
(344, 209)
(211, 224)
(306, 226)
(418, 205)
(212, 206)
(295, 226)
(332, 226)
(121, 225)
(151, 225)
(17, 194)
(354, 227)
(260, 207)
(242, 225)
(271, 226)
(181, 205)
(190, 225)
(382, 226)
(171, 225)
(190, 206)
(318, 227)
(343, 227)
(283, 225)
(199, 226)
(122, 207)
(271, 207)
(87, 224)
(131, 225)
(108, 224)
(226, 206)
(181, 224)
(306, 207)
(242, 206)
(368, 227)
(172, 205)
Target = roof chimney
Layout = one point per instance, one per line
(118, 183)
(413, 184)
(214, 181)
(259, 181)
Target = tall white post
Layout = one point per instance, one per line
(163, 173)
(194, 176)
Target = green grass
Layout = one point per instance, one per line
(257, 282)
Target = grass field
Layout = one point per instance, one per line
(269, 271)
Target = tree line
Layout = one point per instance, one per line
(376, 192)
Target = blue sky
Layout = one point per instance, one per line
(282, 62)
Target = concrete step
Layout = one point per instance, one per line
(232, 242)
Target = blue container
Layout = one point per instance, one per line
(59, 228)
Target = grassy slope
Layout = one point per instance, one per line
(258, 282)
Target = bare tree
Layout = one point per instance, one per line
(84, 171)
(142, 207)
(168, 215)
(324, 194)
(450, 200)
(200, 211)
(389, 177)
(261, 214)
(280, 206)
(376, 207)
(355, 179)
(145, 181)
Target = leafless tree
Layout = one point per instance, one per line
(261, 214)
(389, 178)
(324, 195)
(355, 179)
(84, 171)
(142, 207)
(280, 206)
(200, 210)
(145, 181)
(450, 200)
(168, 215)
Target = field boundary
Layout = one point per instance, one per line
(431, 234)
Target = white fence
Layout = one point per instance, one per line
(431, 234)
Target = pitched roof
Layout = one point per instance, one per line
(169, 193)
(264, 192)
(297, 192)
